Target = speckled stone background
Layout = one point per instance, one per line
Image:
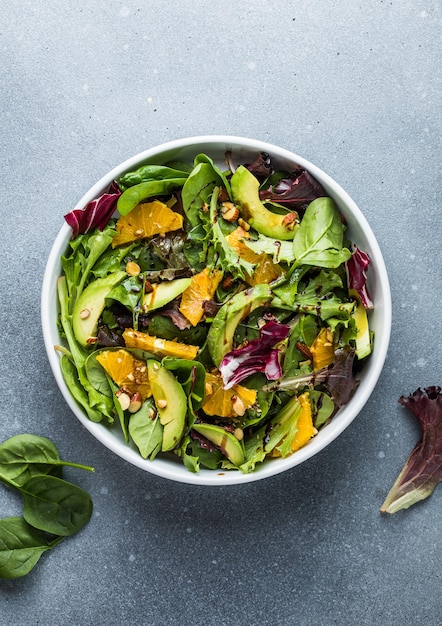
(354, 87)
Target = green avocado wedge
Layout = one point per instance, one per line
(222, 329)
(171, 402)
(245, 193)
(225, 441)
(163, 293)
(90, 305)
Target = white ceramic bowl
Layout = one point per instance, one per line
(243, 150)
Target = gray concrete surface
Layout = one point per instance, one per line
(354, 87)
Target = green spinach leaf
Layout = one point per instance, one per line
(319, 239)
(146, 431)
(55, 505)
(24, 456)
(21, 546)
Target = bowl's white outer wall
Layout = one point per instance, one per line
(243, 150)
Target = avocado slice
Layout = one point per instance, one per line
(225, 441)
(363, 342)
(90, 305)
(222, 329)
(171, 402)
(163, 293)
(245, 193)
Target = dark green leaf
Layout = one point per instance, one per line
(55, 505)
(319, 239)
(147, 433)
(21, 546)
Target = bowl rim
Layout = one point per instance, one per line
(165, 468)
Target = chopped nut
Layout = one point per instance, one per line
(148, 288)
(139, 232)
(135, 403)
(289, 220)
(229, 211)
(161, 404)
(91, 340)
(245, 225)
(239, 433)
(227, 282)
(123, 399)
(133, 269)
(84, 314)
(238, 405)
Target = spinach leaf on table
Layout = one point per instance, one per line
(53, 508)
(55, 505)
(23, 457)
(21, 546)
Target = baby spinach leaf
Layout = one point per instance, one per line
(70, 377)
(143, 191)
(319, 239)
(55, 505)
(146, 433)
(24, 456)
(197, 191)
(97, 375)
(21, 546)
(146, 173)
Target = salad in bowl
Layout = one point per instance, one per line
(213, 310)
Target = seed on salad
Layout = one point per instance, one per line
(139, 232)
(84, 314)
(245, 225)
(229, 211)
(238, 405)
(133, 269)
(135, 403)
(289, 220)
(161, 404)
(123, 399)
(239, 433)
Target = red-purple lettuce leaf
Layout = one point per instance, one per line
(423, 468)
(300, 190)
(259, 355)
(96, 213)
(357, 265)
(337, 378)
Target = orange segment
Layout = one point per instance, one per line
(306, 430)
(126, 371)
(265, 270)
(159, 347)
(146, 220)
(202, 288)
(226, 402)
(323, 349)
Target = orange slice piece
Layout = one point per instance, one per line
(323, 349)
(159, 347)
(265, 270)
(231, 402)
(202, 288)
(145, 220)
(306, 430)
(126, 371)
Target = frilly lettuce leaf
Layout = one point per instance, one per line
(423, 468)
